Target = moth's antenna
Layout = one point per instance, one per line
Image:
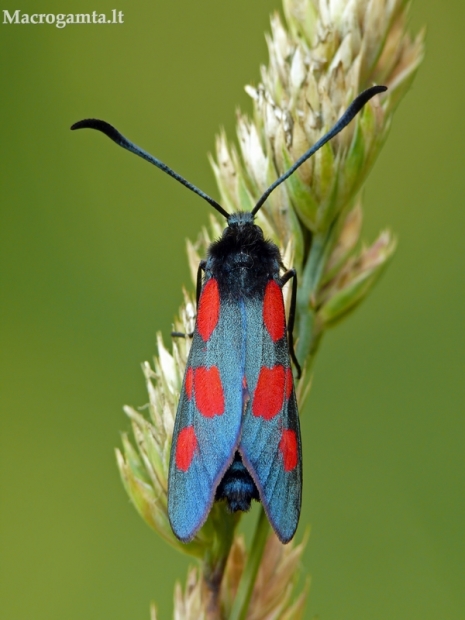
(354, 108)
(116, 136)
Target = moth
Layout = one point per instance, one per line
(237, 435)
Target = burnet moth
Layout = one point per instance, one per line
(236, 434)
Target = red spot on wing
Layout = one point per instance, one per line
(273, 311)
(269, 393)
(289, 449)
(189, 382)
(186, 445)
(209, 395)
(209, 309)
(289, 383)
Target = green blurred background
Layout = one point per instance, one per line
(92, 263)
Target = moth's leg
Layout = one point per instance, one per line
(291, 273)
(201, 268)
(197, 294)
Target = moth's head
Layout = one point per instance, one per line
(241, 218)
(241, 224)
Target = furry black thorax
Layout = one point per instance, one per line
(242, 260)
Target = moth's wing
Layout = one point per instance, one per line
(208, 419)
(270, 442)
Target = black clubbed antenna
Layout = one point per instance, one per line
(116, 136)
(354, 108)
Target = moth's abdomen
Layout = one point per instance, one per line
(237, 487)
